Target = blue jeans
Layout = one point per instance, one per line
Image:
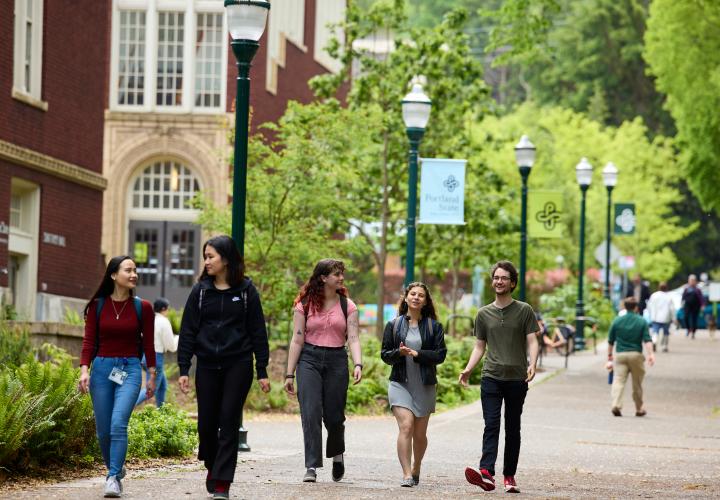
(160, 382)
(113, 404)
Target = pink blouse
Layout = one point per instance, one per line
(326, 328)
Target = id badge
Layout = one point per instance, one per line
(118, 375)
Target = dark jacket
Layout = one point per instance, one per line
(432, 351)
(222, 327)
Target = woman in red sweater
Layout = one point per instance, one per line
(118, 328)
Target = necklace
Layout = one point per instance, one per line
(117, 314)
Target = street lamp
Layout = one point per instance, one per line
(416, 112)
(610, 174)
(246, 23)
(583, 171)
(525, 157)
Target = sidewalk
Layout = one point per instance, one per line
(572, 446)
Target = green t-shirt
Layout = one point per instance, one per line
(628, 333)
(505, 331)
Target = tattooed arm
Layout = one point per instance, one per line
(296, 346)
(353, 331)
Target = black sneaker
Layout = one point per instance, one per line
(310, 476)
(338, 471)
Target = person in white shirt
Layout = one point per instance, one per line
(165, 341)
(662, 313)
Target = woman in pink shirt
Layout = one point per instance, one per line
(324, 320)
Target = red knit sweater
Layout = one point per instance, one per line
(119, 336)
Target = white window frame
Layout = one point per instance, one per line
(151, 7)
(32, 95)
(182, 214)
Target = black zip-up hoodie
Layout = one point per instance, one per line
(222, 327)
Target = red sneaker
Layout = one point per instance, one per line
(510, 486)
(483, 478)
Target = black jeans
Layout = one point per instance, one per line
(691, 318)
(492, 394)
(322, 379)
(221, 396)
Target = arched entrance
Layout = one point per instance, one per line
(162, 238)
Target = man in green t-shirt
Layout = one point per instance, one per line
(507, 328)
(628, 334)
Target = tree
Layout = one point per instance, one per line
(442, 57)
(648, 177)
(682, 47)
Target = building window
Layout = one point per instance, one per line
(16, 211)
(174, 50)
(164, 185)
(131, 58)
(27, 66)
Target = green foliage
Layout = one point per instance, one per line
(276, 399)
(43, 417)
(15, 345)
(161, 432)
(561, 304)
(683, 52)
(73, 317)
(648, 177)
(175, 317)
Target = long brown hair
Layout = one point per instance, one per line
(427, 311)
(107, 285)
(312, 293)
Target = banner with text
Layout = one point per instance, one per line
(442, 191)
(546, 217)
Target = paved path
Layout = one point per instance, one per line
(572, 446)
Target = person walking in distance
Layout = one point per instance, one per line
(628, 335)
(324, 319)
(662, 313)
(507, 330)
(692, 300)
(118, 328)
(413, 344)
(223, 326)
(165, 341)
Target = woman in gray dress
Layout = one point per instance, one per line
(413, 344)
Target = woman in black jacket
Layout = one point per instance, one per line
(223, 326)
(413, 344)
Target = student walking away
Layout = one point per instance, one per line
(628, 335)
(413, 344)
(692, 302)
(662, 313)
(324, 319)
(118, 329)
(223, 327)
(165, 341)
(506, 329)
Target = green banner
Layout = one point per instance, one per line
(625, 218)
(546, 215)
(140, 252)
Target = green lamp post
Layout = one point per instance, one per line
(416, 113)
(246, 22)
(610, 175)
(525, 157)
(583, 171)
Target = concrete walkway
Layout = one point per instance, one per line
(572, 446)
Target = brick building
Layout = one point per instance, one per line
(124, 120)
(52, 96)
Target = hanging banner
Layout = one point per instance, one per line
(546, 216)
(442, 191)
(625, 218)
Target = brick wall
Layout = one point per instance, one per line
(68, 210)
(74, 83)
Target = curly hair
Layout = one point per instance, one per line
(427, 311)
(312, 293)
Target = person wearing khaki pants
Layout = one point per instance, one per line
(628, 335)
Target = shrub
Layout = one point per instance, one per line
(15, 346)
(276, 399)
(73, 317)
(161, 432)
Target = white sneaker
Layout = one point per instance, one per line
(112, 487)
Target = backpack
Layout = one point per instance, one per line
(137, 301)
